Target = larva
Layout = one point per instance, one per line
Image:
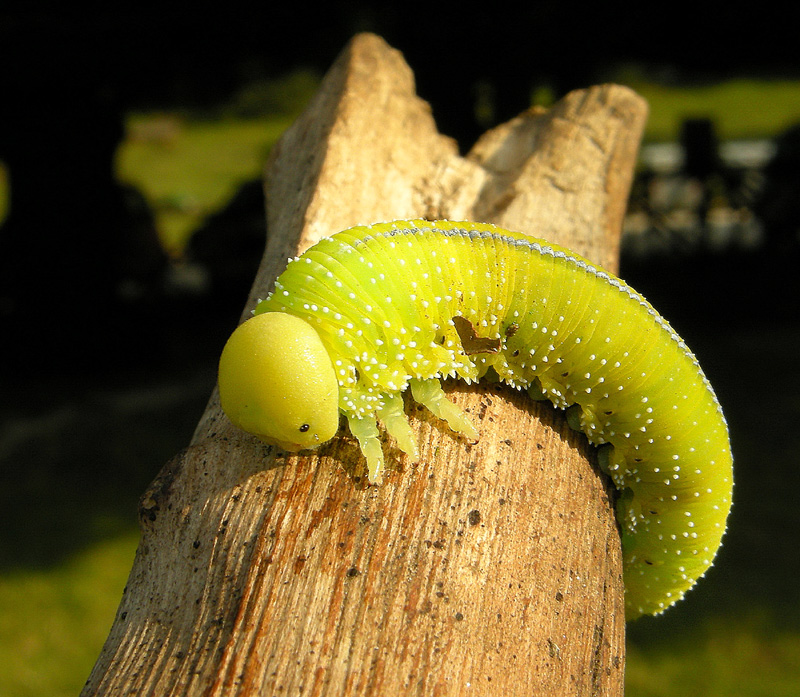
(372, 311)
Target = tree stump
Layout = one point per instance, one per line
(485, 569)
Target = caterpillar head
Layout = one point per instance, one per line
(277, 382)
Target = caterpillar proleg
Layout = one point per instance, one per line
(373, 311)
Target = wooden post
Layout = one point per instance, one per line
(492, 569)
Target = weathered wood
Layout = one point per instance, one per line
(486, 569)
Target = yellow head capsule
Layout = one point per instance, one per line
(277, 382)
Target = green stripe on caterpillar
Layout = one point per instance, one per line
(372, 311)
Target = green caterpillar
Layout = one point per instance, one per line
(371, 311)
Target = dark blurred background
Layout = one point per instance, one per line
(109, 342)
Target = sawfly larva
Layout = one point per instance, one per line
(372, 311)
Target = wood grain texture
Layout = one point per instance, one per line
(489, 568)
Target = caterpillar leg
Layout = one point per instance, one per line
(396, 423)
(429, 393)
(366, 433)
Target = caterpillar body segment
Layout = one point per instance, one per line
(401, 305)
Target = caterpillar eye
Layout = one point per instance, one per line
(304, 428)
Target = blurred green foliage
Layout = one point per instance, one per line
(190, 165)
(54, 621)
(746, 656)
(740, 109)
(188, 169)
